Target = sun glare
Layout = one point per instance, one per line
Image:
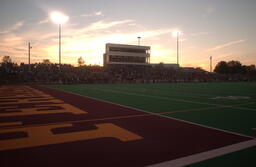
(176, 32)
(58, 17)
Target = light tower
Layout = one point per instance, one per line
(210, 63)
(177, 33)
(139, 40)
(29, 48)
(59, 18)
(177, 47)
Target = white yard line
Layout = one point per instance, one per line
(195, 158)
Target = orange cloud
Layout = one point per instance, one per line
(226, 45)
(88, 42)
(12, 28)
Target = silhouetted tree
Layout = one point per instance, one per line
(80, 61)
(46, 61)
(6, 59)
(234, 67)
(199, 68)
(9, 71)
(249, 69)
(7, 65)
(221, 67)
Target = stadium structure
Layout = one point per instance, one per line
(131, 55)
(120, 54)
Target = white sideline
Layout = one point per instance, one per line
(206, 155)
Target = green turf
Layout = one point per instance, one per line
(228, 119)
(194, 102)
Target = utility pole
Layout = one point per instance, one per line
(29, 47)
(210, 63)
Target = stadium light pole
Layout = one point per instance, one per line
(177, 33)
(29, 48)
(210, 63)
(59, 18)
(177, 47)
(139, 40)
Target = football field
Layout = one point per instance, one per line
(176, 124)
(228, 106)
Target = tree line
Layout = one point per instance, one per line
(234, 67)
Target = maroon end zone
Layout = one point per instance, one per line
(107, 135)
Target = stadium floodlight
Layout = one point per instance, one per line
(59, 18)
(176, 33)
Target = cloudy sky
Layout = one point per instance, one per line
(224, 29)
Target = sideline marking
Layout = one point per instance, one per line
(144, 111)
(206, 155)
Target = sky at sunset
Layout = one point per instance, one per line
(224, 29)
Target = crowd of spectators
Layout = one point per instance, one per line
(48, 73)
(160, 74)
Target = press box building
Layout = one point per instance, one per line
(126, 55)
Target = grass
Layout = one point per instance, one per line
(194, 102)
